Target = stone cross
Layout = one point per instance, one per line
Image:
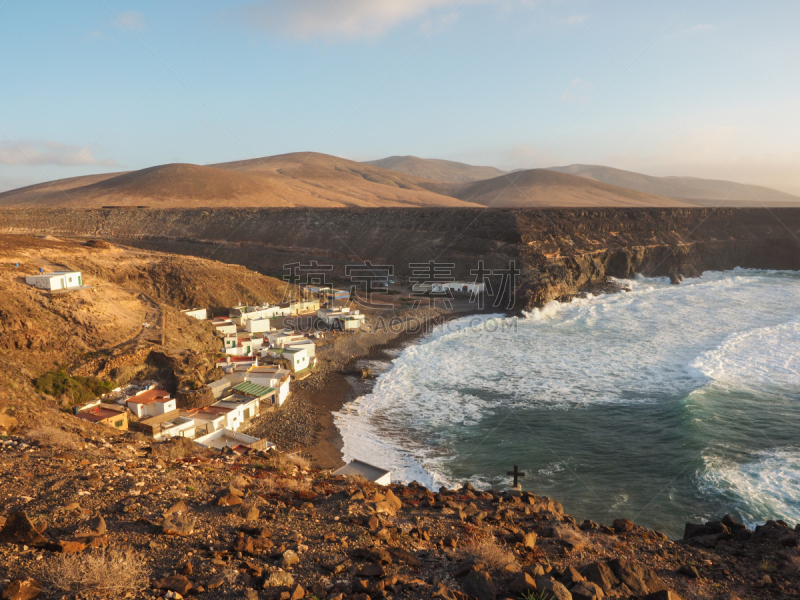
(517, 474)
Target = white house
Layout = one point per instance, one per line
(309, 345)
(300, 307)
(207, 419)
(224, 326)
(242, 344)
(151, 403)
(241, 314)
(201, 314)
(243, 408)
(225, 438)
(460, 287)
(60, 280)
(261, 325)
(272, 377)
(367, 471)
(297, 357)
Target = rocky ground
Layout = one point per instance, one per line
(97, 515)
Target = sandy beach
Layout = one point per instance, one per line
(306, 423)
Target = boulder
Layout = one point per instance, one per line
(22, 589)
(600, 574)
(623, 525)
(479, 584)
(553, 589)
(641, 580)
(249, 512)
(571, 576)
(19, 529)
(393, 500)
(289, 558)
(586, 590)
(522, 583)
(229, 500)
(173, 583)
(662, 595)
(178, 524)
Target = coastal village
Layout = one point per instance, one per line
(156, 494)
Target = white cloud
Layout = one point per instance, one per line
(43, 153)
(693, 30)
(129, 20)
(577, 92)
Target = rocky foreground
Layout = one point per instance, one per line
(122, 517)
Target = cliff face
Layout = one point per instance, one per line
(560, 252)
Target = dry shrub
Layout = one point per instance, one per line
(276, 485)
(107, 571)
(53, 437)
(491, 554)
(299, 461)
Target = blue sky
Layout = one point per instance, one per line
(704, 88)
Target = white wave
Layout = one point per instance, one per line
(767, 487)
(656, 341)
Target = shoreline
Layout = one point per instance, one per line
(339, 383)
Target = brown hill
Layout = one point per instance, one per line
(294, 180)
(703, 192)
(549, 189)
(435, 169)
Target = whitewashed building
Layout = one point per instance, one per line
(201, 314)
(262, 325)
(151, 403)
(59, 280)
(272, 377)
(224, 327)
(459, 287)
(370, 472)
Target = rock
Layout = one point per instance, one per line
(553, 590)
(216, 582)
(393, 500)
(173, 583)
(250, 594)
(662, 595)
(586, 590)
(689, 571)
(22, 589)
(289, 558)
(298, 593)
(279, 579)
(97, 525)
(19, 529)
(450, 541)
(534, 571)
(229, 500)
(479, 585)
(522, 583)
(640, 579)
(600, 574)
(371, 570)
(69, 547)
(178, 507)
(623, 525)
(179, 524)
(467, 566)
(249, 513)
(384, 508)
(571, 576)
(405, 557)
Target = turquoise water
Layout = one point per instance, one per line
(666, 404)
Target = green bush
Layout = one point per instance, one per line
(78, 389)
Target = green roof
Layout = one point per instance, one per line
(253, 389)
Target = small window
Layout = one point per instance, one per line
(119, 423)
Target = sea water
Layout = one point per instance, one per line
(665, 404)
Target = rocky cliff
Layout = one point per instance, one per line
(560, 253)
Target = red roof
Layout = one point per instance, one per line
(98, 414)
(150, 396)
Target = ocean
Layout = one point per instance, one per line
(664, 404)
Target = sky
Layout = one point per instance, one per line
(705, 88)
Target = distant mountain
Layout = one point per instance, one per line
(543, 188)
(701, 191)
(290, 180)
(435, 169)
